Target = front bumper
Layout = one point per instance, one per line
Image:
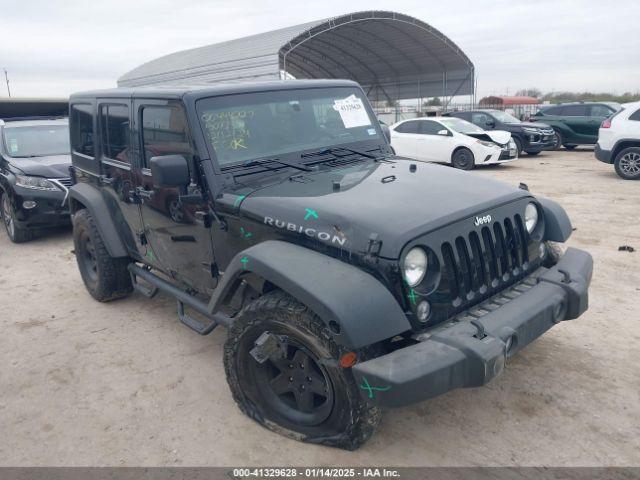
(471, 349)
(52, 208)
(602, 155)
(538, 142)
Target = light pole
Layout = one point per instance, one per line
(6, 78)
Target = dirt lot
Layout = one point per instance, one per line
(83, 383)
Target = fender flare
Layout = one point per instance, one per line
(357, 309)
(91, 198)
(558, 226)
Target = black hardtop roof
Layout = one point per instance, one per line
(201, 91)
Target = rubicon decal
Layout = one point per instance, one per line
(482, 220)
(338, 239)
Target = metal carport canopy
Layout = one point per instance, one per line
(393, 56)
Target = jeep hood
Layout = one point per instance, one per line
(345, 207)
(54, 166)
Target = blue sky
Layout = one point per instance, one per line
(53, 48)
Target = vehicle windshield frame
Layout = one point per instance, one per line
(297, 155)
(498, 113)
(43, 126)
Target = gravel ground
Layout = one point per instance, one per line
(84, 383)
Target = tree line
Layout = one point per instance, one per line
(559, 97)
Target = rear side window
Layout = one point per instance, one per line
(412, 126)
(82, 129)
(164, 132)
(635, 116)
(574, 110)
(114, 132)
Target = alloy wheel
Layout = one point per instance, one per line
(7, 216)
(630, 163)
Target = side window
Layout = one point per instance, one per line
(635, 116)
(164, 132)
(480, 119)
(114, 132)
(574, 110)
(82, 129)
(600, 111)
(428, 127)
(412, 126)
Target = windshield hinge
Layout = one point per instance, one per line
(373, 247)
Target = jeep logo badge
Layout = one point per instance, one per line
(482, 220)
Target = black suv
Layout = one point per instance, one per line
(34, 175)
(350, 279)
(529, 137)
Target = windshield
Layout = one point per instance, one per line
(460, 126)
(249, 126)
(36, 140)
(505, 117)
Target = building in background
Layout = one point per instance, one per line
(521, 107)
(393, 56)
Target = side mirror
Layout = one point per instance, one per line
(490, 123)
(386, 131)
(169, 171)
(444, 133)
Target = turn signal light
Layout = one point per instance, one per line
(348, 360)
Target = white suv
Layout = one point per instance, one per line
(619, 141)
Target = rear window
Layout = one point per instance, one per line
(635, 116)
(82, 129)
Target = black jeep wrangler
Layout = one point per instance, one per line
(350, 279)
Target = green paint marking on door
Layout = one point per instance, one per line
(239, 199)
(150, 254)
(412, 296)
(370, 389)
(244, 233)
(244, 261)
(311, 213)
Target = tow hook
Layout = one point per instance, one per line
(268, 345)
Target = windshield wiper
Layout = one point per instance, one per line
(265, 161)
(334, 150)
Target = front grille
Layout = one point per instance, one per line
(485, 260)
(64, 181)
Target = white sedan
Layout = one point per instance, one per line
(452, 140)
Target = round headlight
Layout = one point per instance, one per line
(531, 217)
(415, 266)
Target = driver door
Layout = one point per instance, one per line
(177, 244)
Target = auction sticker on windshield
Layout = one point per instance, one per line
(352, 112)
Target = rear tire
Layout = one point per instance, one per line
(105, 277)
(16, 233)
(627, 163)
(305, 395)
(463, 159)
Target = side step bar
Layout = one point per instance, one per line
(183, 299)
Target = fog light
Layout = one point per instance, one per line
(543, 250)
(423, 311)
(29, 204)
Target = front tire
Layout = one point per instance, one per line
(627, 163)
(15, 232)
(304, 394)
(463, 159)
(557, 143)
(518, 145)
(105, 277)
(533, 154)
